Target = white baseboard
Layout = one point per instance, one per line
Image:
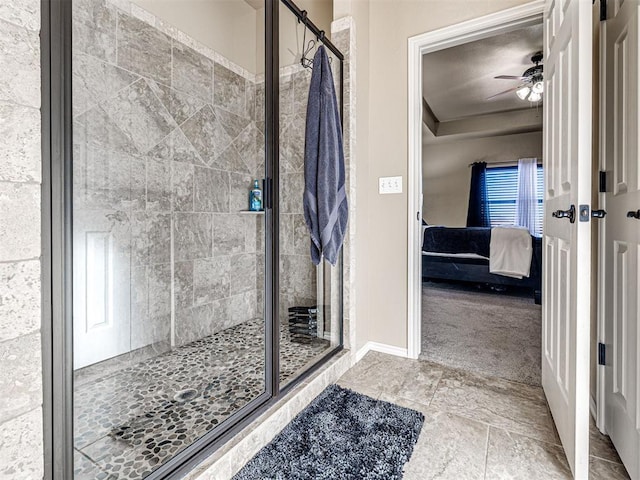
(593, 408)
(382, 348)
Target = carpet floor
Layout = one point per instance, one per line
(340, 435)
(485, 332)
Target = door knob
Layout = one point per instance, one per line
(598, 213)
(633, 214)
(570, 214)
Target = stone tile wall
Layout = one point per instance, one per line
(21, 455)
(167, 142)
(343, 35)
(170, 141)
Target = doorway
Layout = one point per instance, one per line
(486, 27)
(482, 173)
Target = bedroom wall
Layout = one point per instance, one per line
(446, 173)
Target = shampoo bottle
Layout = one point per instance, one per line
(255, 197)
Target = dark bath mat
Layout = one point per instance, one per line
(340, 435)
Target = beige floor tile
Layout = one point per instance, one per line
(359, 371)
(361, 387)
(600, 445)
(603, 470)
(420, 382)
(513, 406)
(378, 374)
(476, 427)
(449, 447)
(516, 457)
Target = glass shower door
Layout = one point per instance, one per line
(168, 261)
(310, 297)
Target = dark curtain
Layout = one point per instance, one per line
(478, 213)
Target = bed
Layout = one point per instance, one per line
(462, 254)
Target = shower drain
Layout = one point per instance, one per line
(185, 395)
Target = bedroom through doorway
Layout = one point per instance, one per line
(482, 210)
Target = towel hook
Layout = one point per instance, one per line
(305, 61)
(306, 48)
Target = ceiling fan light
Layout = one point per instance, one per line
(534, 97)
(523, 92)
(538, 87)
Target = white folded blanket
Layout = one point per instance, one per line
(510, 252)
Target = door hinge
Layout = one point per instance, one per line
(602, 353)
(602, 183)
(603, 10)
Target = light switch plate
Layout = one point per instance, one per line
(389, 185)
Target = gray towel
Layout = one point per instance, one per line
(325, 198)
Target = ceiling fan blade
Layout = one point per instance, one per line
(502, 93)
(510, 77)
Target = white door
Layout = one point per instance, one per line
(102, 286)
(567, 245)
(619, 37)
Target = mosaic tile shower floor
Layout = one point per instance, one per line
(129, 422)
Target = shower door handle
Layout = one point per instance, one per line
(268, 193)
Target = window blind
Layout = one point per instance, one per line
(502, 192)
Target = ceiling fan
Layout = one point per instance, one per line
(531, 86)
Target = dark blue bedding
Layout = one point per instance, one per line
(457, 240)
(473, 240)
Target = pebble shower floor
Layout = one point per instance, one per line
(129, 422)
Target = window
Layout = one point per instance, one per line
(502, 192)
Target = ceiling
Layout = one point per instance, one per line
(457, 81)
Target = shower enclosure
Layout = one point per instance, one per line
(186, 313)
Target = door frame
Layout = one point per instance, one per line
(487, 26)
(597, 405)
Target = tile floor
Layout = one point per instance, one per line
(475, 427)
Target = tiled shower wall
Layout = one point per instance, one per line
(21, 454)
(167, 144)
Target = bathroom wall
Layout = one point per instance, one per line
(226, 26)
(168, 136)
(21, 455)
